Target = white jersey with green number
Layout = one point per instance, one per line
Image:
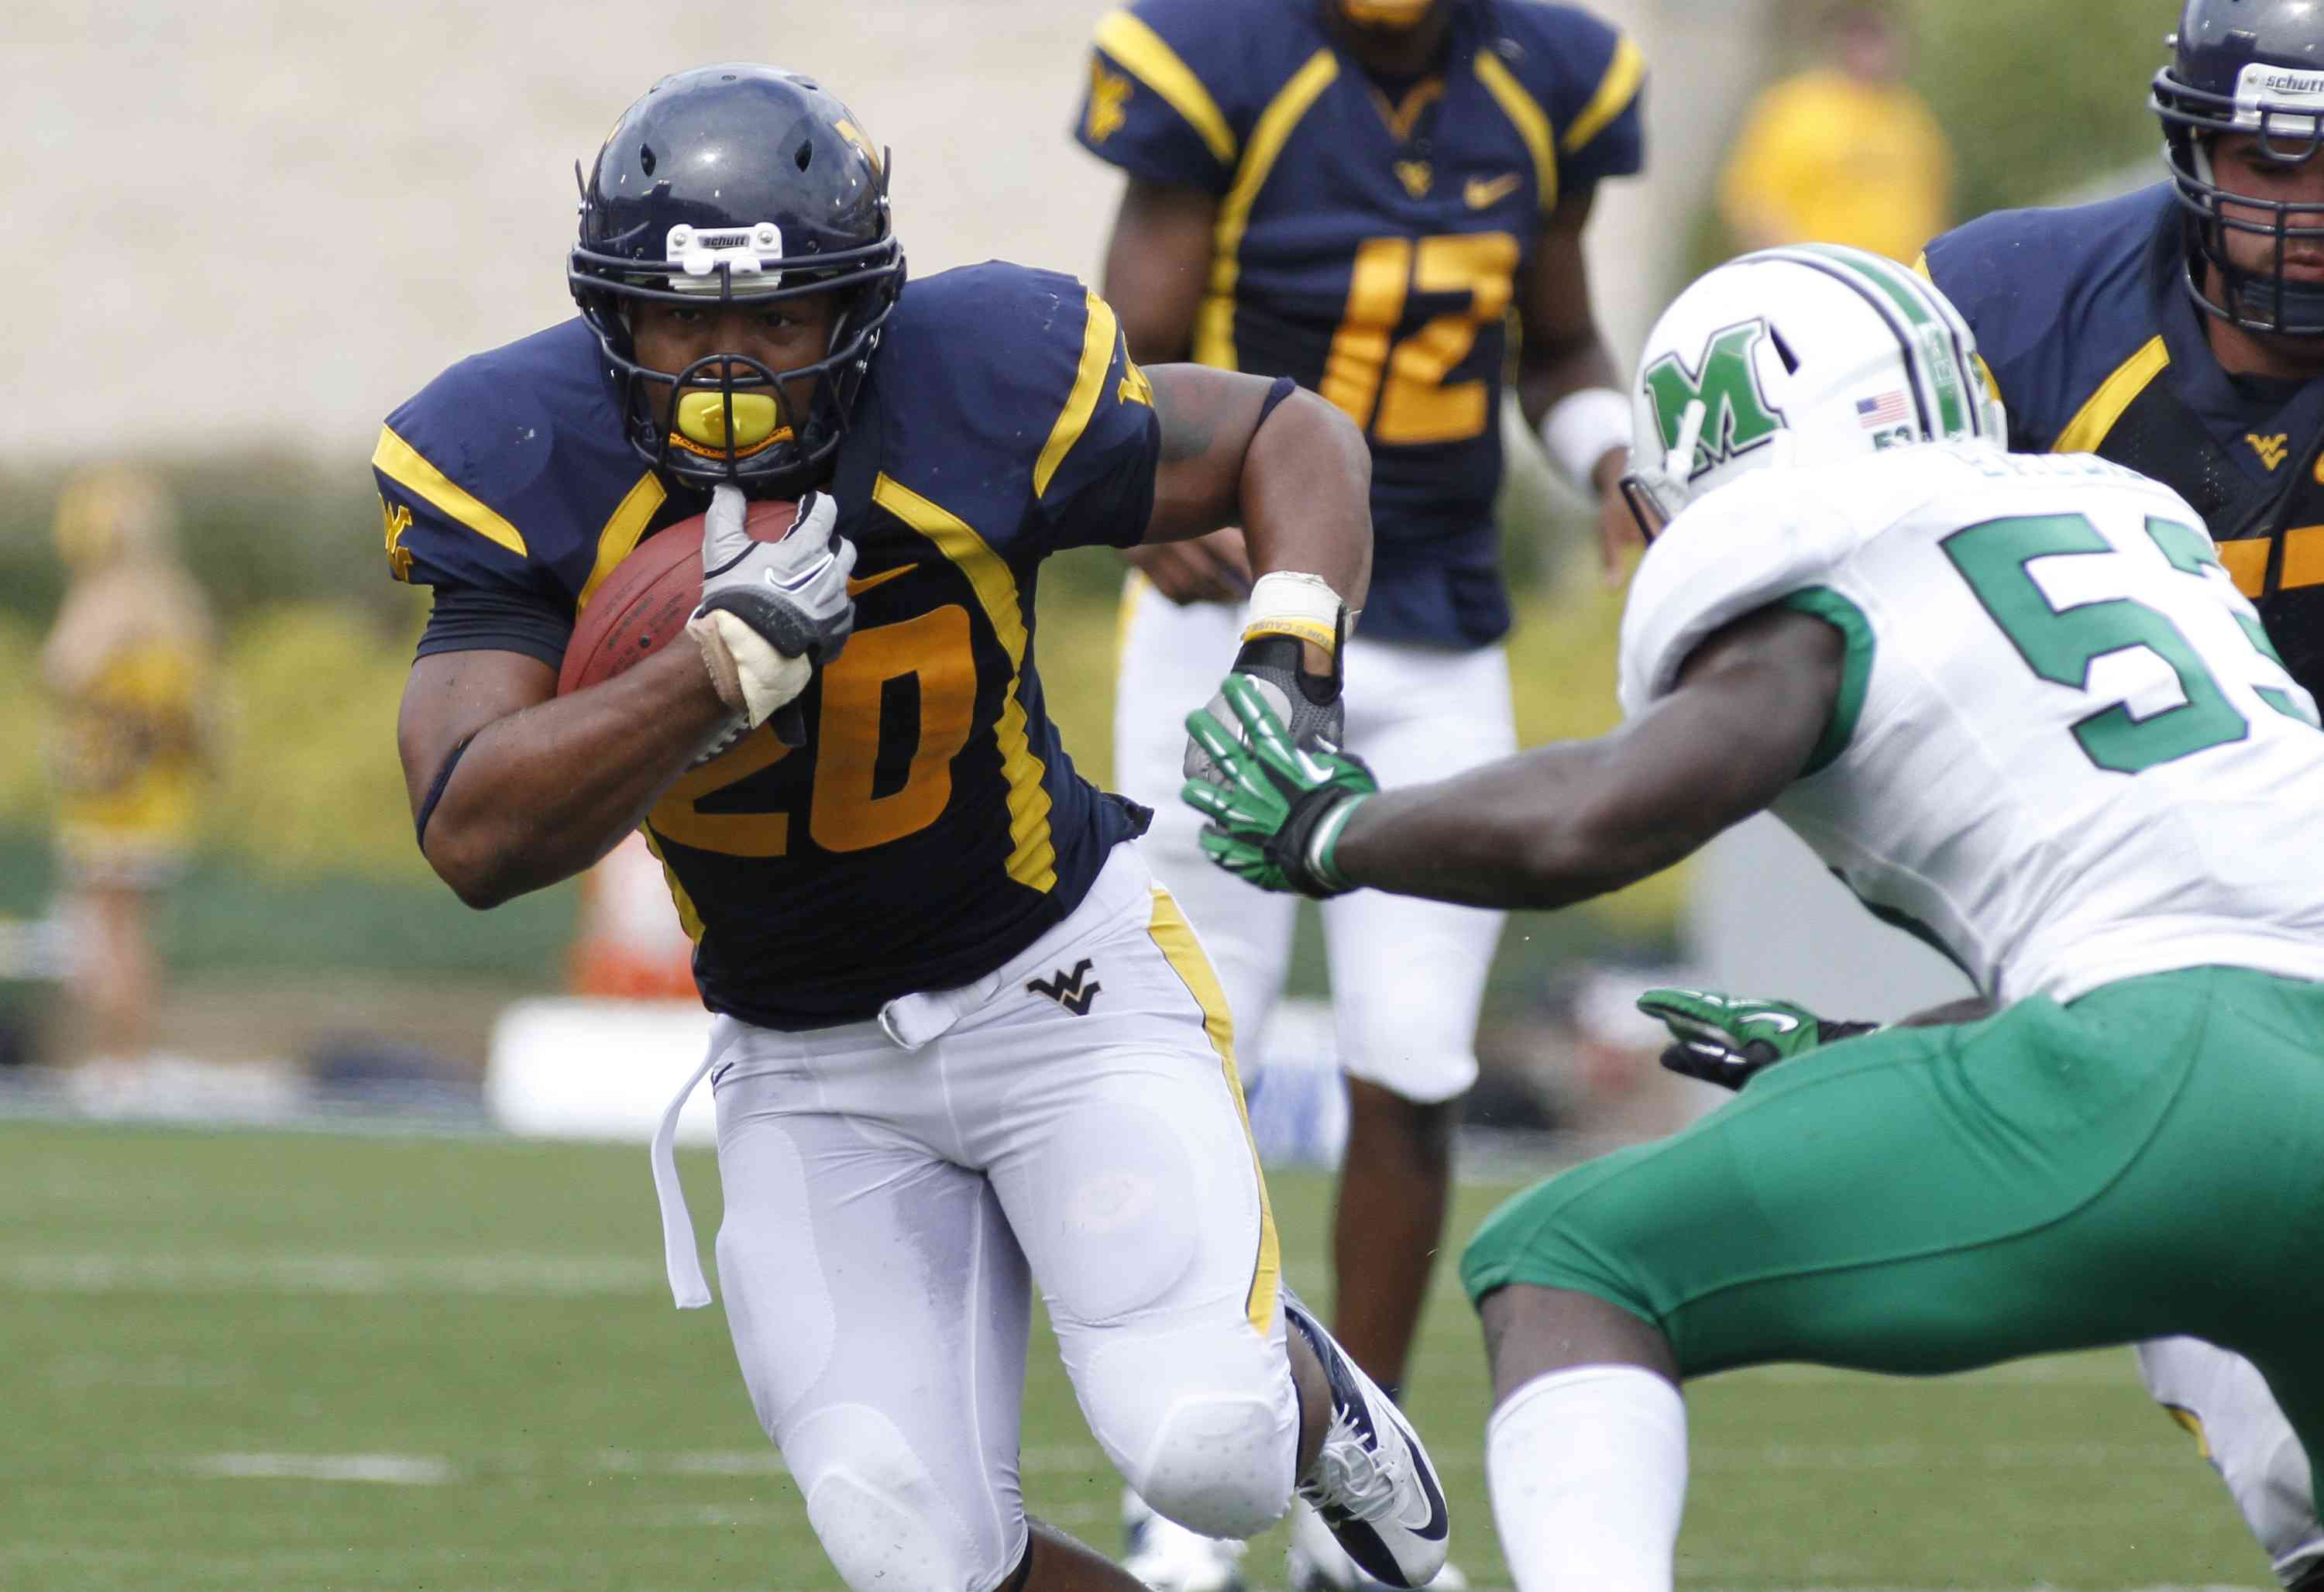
(2063, 748)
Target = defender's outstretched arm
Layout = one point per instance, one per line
(1565, 823)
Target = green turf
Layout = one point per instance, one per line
(184, 1317)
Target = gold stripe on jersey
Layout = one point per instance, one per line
(2245, 559)
(1616, 90)
(1033, 857)
(1984, 371)
(1098, 339)
(620, 537)
(1143, 52)
(689, 918)
(1214, 326)
(2097, 416)
(1525, 114)
(1174, 937)
(2303, 557)
(402, 463)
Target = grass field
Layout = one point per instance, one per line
(273, 1361)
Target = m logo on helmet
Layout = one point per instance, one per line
(1737, 415)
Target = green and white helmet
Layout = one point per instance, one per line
(1808, 355)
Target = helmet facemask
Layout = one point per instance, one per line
(725, 416)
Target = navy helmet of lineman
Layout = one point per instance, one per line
(1808, 355)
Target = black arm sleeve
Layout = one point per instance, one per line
(472, 619)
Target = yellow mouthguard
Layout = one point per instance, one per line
(702, 419)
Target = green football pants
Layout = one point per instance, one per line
(2147, 1160)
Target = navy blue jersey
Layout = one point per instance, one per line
(2083, 321)
(1367, 246)
(933, 826)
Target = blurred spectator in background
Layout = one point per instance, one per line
(127, 672)
(1844, 152)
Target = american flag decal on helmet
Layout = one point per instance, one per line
(1887, 409)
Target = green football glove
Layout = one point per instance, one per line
(1730, 1039)
(1280, 809)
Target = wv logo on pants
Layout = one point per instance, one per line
(1067, 989)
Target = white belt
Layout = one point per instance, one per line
(679, 1256)
(909, 1022)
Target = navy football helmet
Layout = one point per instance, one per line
(2253, 67)
(737, 183)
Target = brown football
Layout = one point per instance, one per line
(647, 598)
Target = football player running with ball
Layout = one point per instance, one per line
(2009, 699)
(964, 1043)
(1361, 194)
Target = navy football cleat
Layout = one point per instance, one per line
(1371, 1482)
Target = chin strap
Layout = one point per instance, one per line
(1660, 484)
(2284, 308)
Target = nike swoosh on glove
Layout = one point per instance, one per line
(771, 611)
(1730, 1039)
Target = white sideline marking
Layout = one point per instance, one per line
(1050, 1459)
(359, 1274)
(399, 1469)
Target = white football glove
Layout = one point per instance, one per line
(771, 610)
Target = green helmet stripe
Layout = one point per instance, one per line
(1956, 414)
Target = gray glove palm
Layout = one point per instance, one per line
(1307, 706)
(771, 611)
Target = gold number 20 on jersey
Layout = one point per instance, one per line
(845, 812)
(1395, 388)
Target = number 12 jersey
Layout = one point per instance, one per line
(1370, 237)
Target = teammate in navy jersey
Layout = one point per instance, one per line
(1371, 197)
(963, 1041)
(2180, 330)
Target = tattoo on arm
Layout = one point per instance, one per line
(1188, 426)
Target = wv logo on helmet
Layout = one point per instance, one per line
(1737, 415)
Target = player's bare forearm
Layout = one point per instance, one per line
(1560, 351)
(1157, 266)
(1565, 823)
(1553, 368)
(548, 784)
(1298, 483)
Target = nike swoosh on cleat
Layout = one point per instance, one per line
(1439, 1519)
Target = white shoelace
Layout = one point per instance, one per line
(1351, 1477)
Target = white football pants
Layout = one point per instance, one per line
(887, 1209)
(1408, 976)
(2222, 1399)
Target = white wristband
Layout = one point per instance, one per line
(1579, 429)
(1286, 603)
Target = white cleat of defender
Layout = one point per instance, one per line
(1372, 1486)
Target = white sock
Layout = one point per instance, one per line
(1588, 1472)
